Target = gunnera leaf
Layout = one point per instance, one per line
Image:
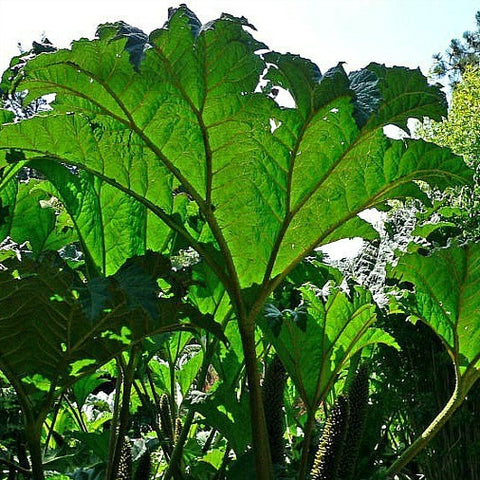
(146, 114)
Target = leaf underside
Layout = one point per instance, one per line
(185, 108)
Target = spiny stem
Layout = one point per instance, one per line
(307, 440)
(52, 424)
(261, 446)
(124, 414)
(33, 433)
(114, 422)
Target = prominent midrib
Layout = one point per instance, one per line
(290, 214)
(198, 114)
(130, 123)
(206, 206)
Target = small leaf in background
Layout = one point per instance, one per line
(334, 329)
(97, 442)
(85, 386)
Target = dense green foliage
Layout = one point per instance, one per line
(458, 209)
(159, 220)
(459, 130)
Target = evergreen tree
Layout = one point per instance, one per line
(461, 54)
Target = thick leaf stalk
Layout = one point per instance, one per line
(35, 449)
(446, 299)
(308, 444)
(166, 424)
(273, 390)
(121, 445)
(261, 445)
(144, 467)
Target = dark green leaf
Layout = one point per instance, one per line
(48, 341)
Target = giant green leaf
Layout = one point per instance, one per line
(183, 107)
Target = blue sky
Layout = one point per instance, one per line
(395, 32)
